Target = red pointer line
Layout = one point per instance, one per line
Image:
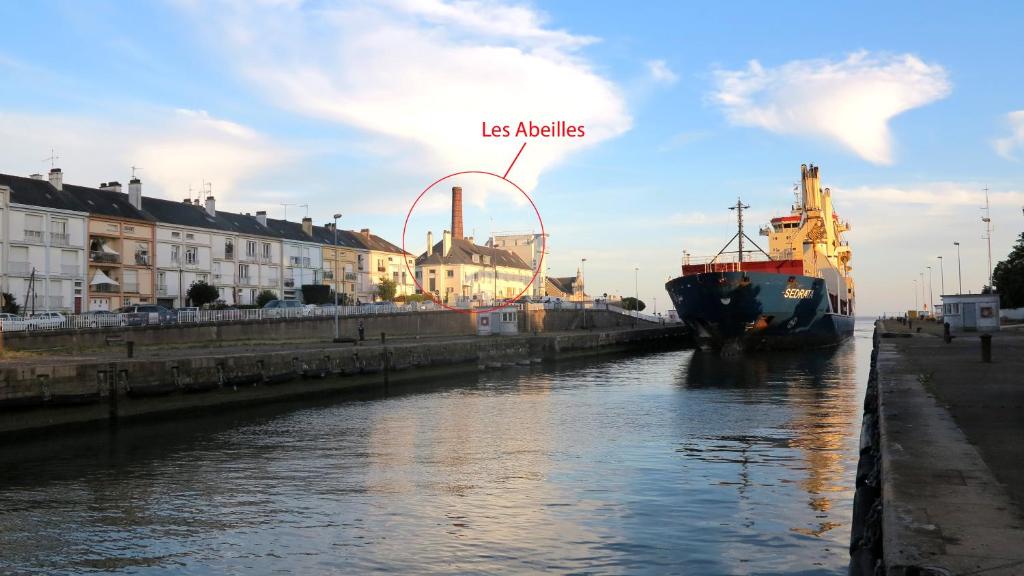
(514, 160)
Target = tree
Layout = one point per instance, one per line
(317, 294)
(265, 296)
(1008, 277)
(200, 293)
(386, 289)
(630, 303)
(10, 303)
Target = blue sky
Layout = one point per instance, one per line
(908, 110)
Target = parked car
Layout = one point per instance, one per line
(12, 323)
(46, 321)
(147, 314)
(279, 308)
(101, 319)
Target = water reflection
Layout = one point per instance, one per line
(672, 462)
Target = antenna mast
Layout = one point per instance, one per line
(987, 219)
(739, 207)
(53, 158)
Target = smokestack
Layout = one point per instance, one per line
(307, 226)
(261, 217)
(457, 231)
(430, 243)
(134, 192)
(57, 178)
(446, 244)
(211, 206)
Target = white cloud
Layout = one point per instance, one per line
(426, 72)
(850, 101)
(174, 148)
(660, 72)
(1006, 147)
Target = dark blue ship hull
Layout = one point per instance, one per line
(758, 310)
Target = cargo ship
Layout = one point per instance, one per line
(798, 294)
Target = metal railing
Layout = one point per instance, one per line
(141, 260)
(105, 288)
(60, 239)
(107, 257)
(33, 235)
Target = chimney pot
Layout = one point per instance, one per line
(134, 192)
(307, 226)
(261, 217)
(57, 178)
(211, 206)
(446, 244)
(430, 243)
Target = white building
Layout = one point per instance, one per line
(971, 312)
(379, 258)
(184, 247)
(531, 248)
(42, 239)
(302, 261)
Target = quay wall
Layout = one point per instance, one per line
(60, 394)
(866, 528)
(432, 323)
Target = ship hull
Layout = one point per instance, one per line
(747, 311)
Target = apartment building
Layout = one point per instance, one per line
(184, 247)
(340, 251)
(378, 258)
(531, 248)
(42, 242)
(302, 258)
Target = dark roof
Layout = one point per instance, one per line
(374, 242)
(346, 238)
(39, 193)
(243, 224)
(182, 214)
(289, 230)
(462, 253)
(106, 202)
(564, 284)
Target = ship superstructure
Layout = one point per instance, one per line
(799, 293)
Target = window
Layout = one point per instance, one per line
(487, 259)
(243, 272)
(175, 234)
(161, 280)
(229, 248)
(250, 248)
(451, 273)
(476, 258)
(419, 274)
(175, 252)
(203, 278)
(190, 236)
(191, 255)
(266, 250)
(142, 254)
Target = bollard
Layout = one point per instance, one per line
(945, 333)
(130, 345)
(986, 348)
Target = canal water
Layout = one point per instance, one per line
(672, 462)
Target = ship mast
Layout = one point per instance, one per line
(739, 207)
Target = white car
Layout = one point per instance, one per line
(12, 323)
(46, 321)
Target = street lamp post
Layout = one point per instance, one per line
(942, 277)
(583, 293)
(337, 330)
(931, 295)
(915, 295)
(924, 301)
(959, 271)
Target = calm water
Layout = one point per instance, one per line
(675, 462)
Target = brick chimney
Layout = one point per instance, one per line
(307, 226)
(57, 178)
(261, 217)
(134, 192)
(365, 232)
(457, 232)
(430, 243)
(211, 206)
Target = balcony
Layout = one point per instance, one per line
(104, 257)
(217, 277)
(350, 276)
(69, 270)
(132, 287)
(19, 268)
(229, 254)
(161, 290)
(328, 275)
(60, 239)
(142, 260)
(246, 281)
(289, 283)
(33, 236)
(105, 288)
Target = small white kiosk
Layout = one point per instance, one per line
(501, 322)
(971, 312)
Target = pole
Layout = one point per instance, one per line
(931, 295)
(915, 295)
(959, 270)
(337, 327)
(988, 236)
(924, 301)
(583, 289)
(942, 277)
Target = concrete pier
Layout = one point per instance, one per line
(49, 391)
(943, 455)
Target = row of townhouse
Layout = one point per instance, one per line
(75, 248)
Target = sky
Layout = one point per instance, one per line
(910, 110)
